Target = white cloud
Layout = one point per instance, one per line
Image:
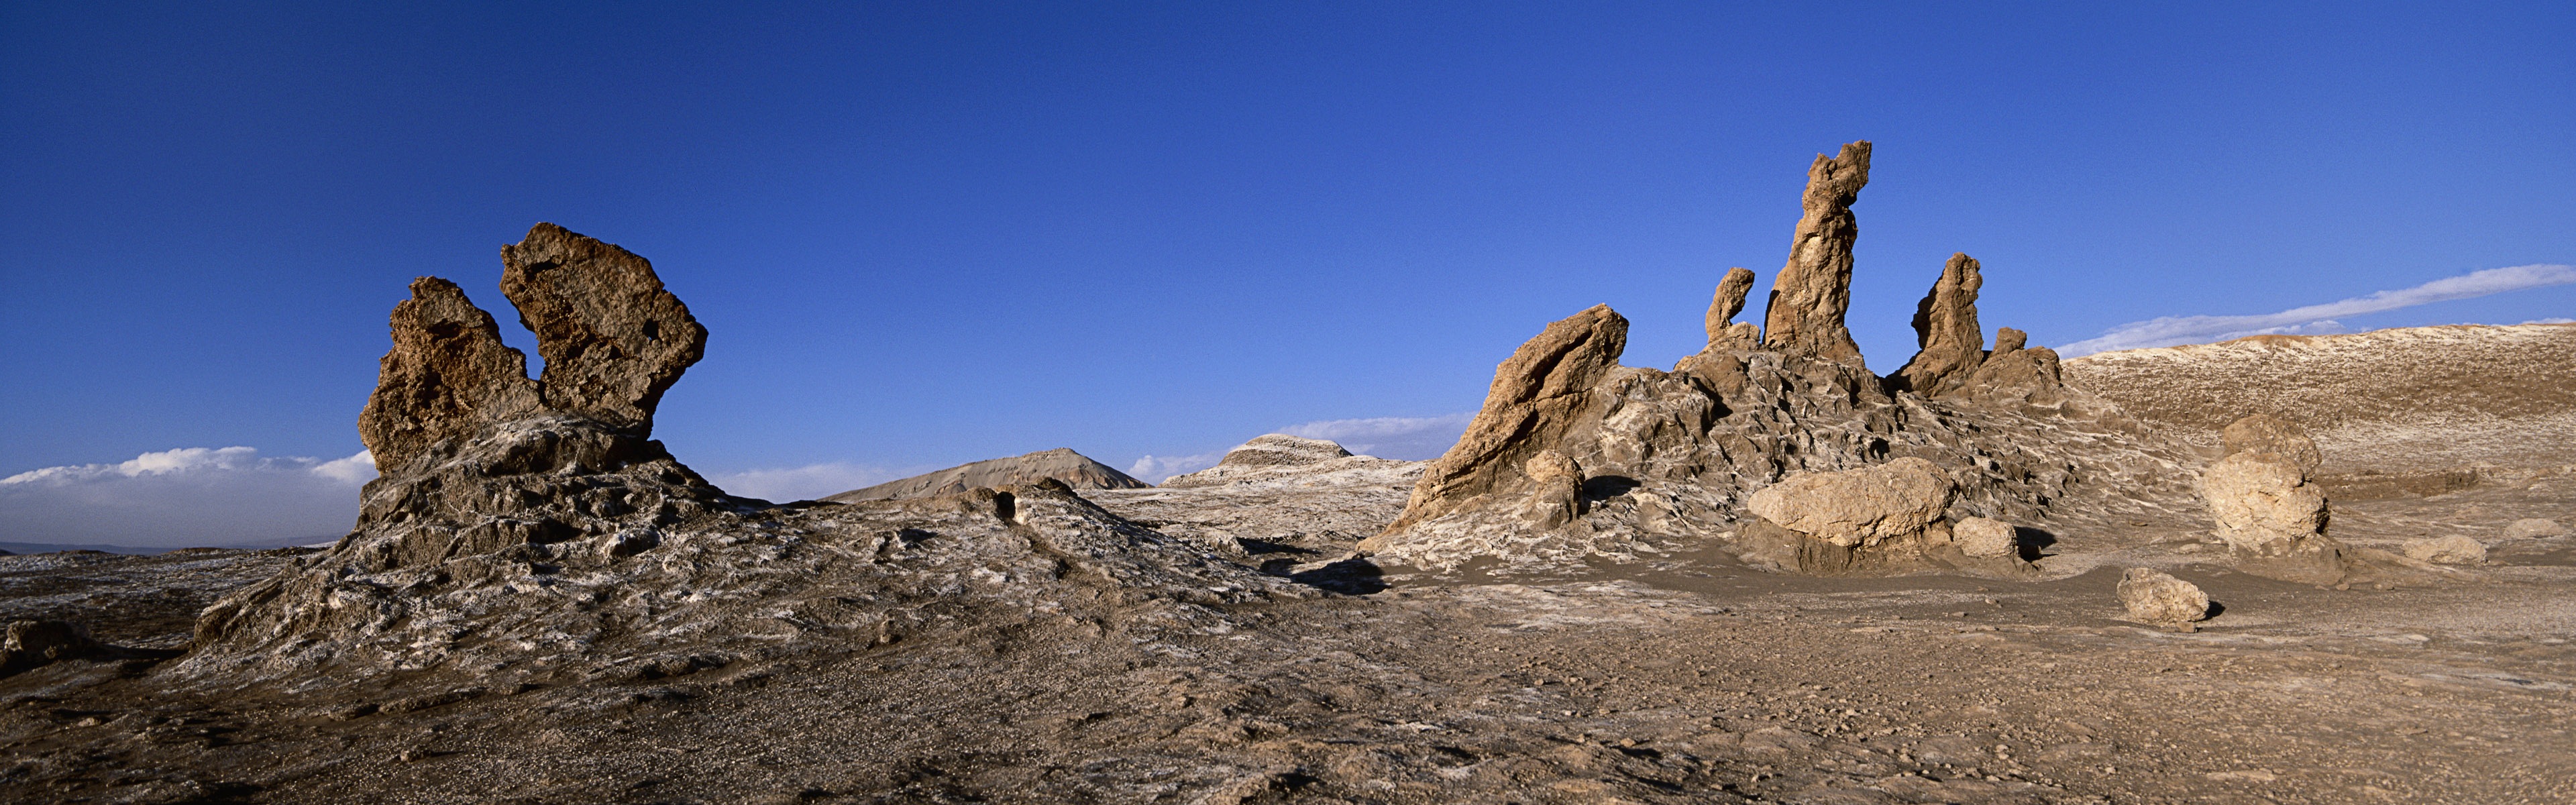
(2551, 321)
(2170, 330)
(1406, 437)
(803, 483)
(185, 497)
(1157, 469)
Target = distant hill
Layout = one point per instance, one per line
(2409, 397)
(1074, 469)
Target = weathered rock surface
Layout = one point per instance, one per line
(2397, 401)
(2534, 528)
(1724, 332)
(612, 337)
(2455, 549)
(1859, 507)
(1556, 489)
(1984, 537)
(526, 547)
(1670, 458)
(1532, 403)
(35, 643)
(2263, 502)
(1280, 449)
(2264, 433)
(447, 375)
(1073, 469)
(1953, 344)
(2157, 597)
(1813, 291)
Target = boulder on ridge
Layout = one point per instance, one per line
(447, 376)
(1531, 403)
(612, 337)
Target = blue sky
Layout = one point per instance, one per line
(923, 234)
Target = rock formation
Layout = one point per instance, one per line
(1812, 292)
(1945, 326)
(2534, 528)
(1280, 449)
(1556, 489)
(1531, 404)
(613, 339)
(1724, 332)
(2264, 433)
(531, 531)
(2156, 597)
(1062, 464)
(2267, 511)
(1861, 507)
(2456, 549)
(1983, 537)
(446, 376)
(1669, 459)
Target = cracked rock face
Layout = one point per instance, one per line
(1533, 401)
(528, 531)
(613, 339)
(1813, 291)
(1859, 507)
(1670, 459)
(2156, 597)
(2269, 512)
(1945, 326)
(2264, 433)
(447, 375)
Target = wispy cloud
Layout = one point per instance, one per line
(1406, 437)
(2170, 330)
(1154, 469)
(803, 483)
(189, 496)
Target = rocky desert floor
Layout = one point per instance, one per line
(1685, 679)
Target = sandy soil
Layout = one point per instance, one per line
(1687, 680)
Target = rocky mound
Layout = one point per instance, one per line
(1062, 464)
(1662, 461)
(1294, 506)
(530, 530)
(2398, 400)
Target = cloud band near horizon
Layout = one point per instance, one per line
(2169, 331)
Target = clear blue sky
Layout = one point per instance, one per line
(929, 233)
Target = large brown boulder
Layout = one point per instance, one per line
(447, 376)
(1531, 403)
(1860, 507)
(1813, 292)
(2269, 511)
(2264, 433)
(1953, 345)
(613, 339)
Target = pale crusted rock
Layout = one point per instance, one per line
(1953, 344)
(2534, 528)
(2157, 597)
(2263, 502)
(447, 376)
(1979, 536)
(2264, 433)
(1723, 331)
(1556, 489)
(2455, 549)
(1813, 291)
(1858, 507)
(613, 339)
(1531, 404)
(1280, 449)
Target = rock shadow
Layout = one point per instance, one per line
(2030, 541)
(1353, 576)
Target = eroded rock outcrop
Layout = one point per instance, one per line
(1724, 332)
(1282, 450)
(1861, 507)
(2268, 513)
(531, 531)
(612, 337)
(2157, 597)
(1670, 459)
(1532, 403)
(1945, 326)
(1813, 291)
(1074, 470)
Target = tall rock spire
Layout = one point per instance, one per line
(1945, 326)
(1808, 299)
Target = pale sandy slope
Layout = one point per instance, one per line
(2404, 399)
